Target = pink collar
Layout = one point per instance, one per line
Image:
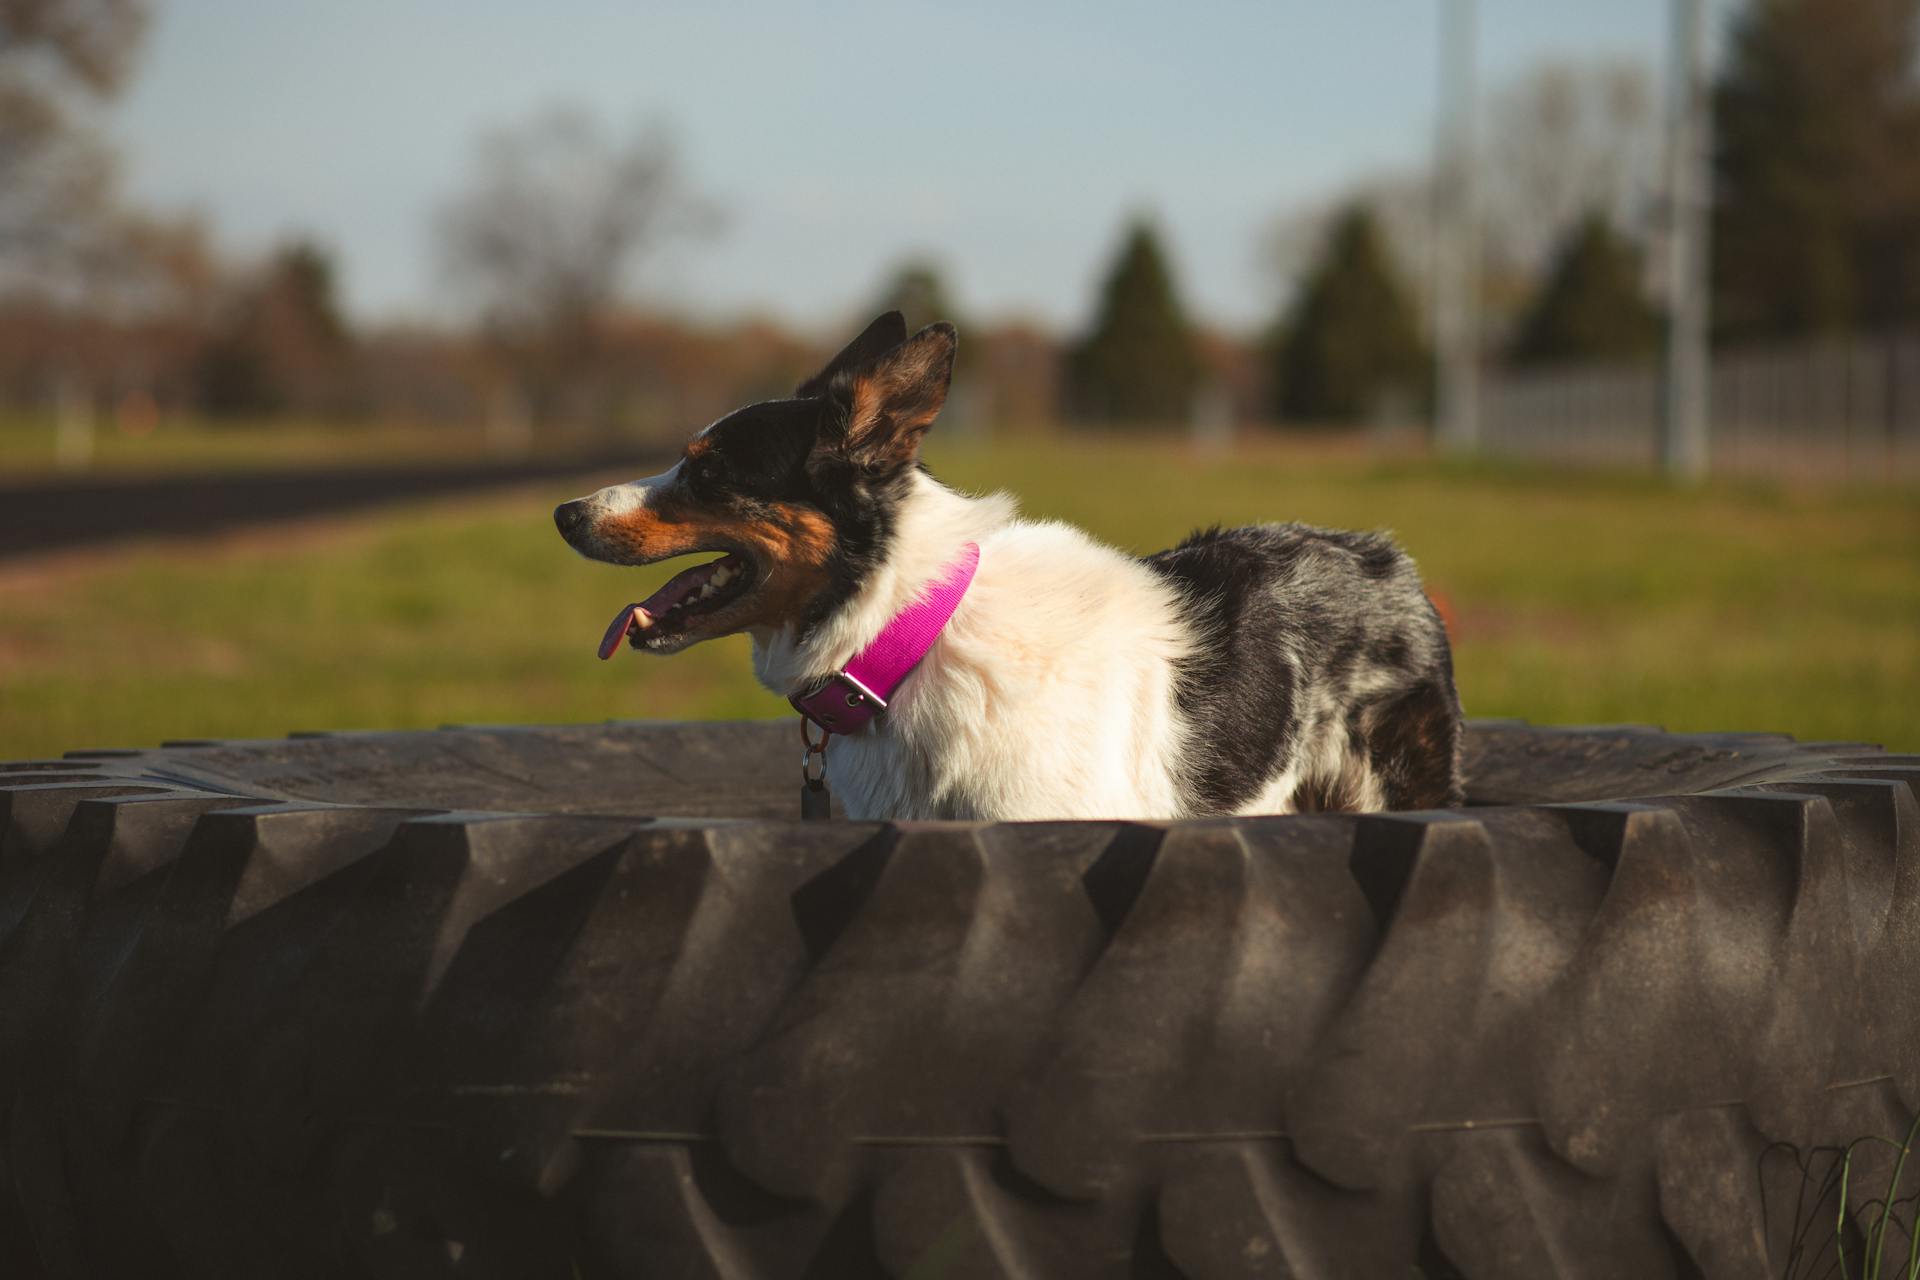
(861, 689)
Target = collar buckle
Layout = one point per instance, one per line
(839, 704)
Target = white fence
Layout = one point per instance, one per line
(1838, 409)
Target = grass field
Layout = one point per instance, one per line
(28, 445)
(1578, 598)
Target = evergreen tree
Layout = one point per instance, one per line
(281, 344)
(303, 279)
(1590, 307)
(1350, 337)
(918, 293)
(1817, 201)
(1138, 364)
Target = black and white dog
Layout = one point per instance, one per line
(1031, 671)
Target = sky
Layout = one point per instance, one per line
(1008, 142)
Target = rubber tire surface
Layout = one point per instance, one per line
(246, 1030)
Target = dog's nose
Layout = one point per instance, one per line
(569, 516)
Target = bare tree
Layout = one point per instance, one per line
(1400, 203)
(57, 195)
(91, 42)
(54, 180)
(1563, 141)
(545, 239)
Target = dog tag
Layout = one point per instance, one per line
(815, 800)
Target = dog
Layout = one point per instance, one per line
(1263, 670)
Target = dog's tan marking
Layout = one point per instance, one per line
(795, 545)
(657, 529)
(790, 542)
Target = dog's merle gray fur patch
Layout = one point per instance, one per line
(1323, 670)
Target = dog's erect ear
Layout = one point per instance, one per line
(878, 338)
(889, 403)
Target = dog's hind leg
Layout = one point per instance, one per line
(1413, 745)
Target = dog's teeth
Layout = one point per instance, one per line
(722, 575)
(641, 621)
(707, 591)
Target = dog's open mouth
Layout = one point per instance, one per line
(690, 597)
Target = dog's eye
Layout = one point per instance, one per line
(704, 470)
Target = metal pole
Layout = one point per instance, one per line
(73, 424)
(1456, 326)
(1684, 416)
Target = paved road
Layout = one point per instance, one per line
(64, 513)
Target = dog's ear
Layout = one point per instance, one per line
(878, 338)
(883, 408)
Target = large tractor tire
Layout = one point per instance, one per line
(586, 1002)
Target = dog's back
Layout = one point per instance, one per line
(1321, 679)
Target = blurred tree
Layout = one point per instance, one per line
(281, 344)
(1591, 306)
(1817, 200)
(89, 41)
(1564, 141)
(57, 198)
(547, 234)
(1138, 363)
(1350, 339)
(917, 292)
(1561, 139)
(301, 284)
(1020, 369)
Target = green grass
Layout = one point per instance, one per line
(28, 449)
(1852, 1214)
(1878, 1219)
(1579, 598)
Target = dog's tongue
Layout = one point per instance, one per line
(636, 618)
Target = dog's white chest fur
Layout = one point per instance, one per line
(1049, 694)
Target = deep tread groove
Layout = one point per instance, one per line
(1432, 1261)
(849, 1250)
(826, 904)
(1382, 861)
(1150, 1259)
(1008, 1177)
(1116, 878)
(734, 1198)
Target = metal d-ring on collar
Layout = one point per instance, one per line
(853, 694)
